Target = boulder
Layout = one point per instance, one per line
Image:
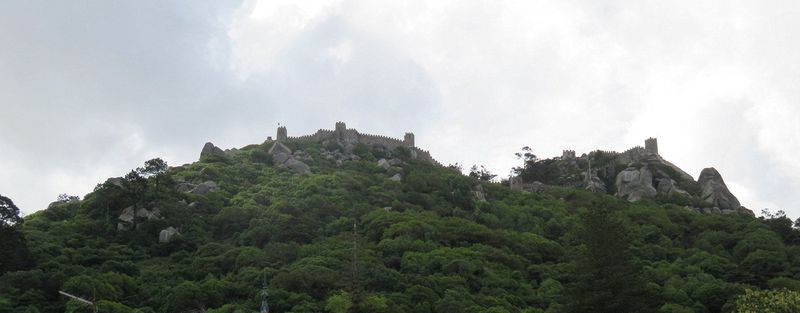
(635, 184)
(395, 162)
(116, 181)
(279, 158)
(231, 152)
(384, 164)
(396, 177)
(184, 187)
(152, 214)
(713, 190)
(204, 188)
(167, 234)
(209, 149)
(668, 186)
(595, 185)
(298, 166)
(279, 147)
(127, 215)
(745, 211)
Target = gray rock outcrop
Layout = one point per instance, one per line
(116, 181)
(209, 149)
(204, 188)
(126, 218)
(279, 148)
(384, 164)
(167, 234)
(635, 184)
(279, 158)
(713, 190)
(594, 184)
(668, 186)
(298, 166)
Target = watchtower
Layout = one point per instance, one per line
(651, 145)
(408, 140)
(281, 133)
(568, 154)
(340, 127)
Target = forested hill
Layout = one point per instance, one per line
(326, 227)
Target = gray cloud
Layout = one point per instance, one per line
(92, 89)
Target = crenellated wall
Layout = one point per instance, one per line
(342, 133)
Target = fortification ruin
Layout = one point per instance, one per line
(634, 154)
(346, 135)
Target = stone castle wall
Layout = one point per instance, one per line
(341, 132)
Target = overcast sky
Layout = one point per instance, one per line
(92, 89)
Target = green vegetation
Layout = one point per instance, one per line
(769, 301)
(423, 244)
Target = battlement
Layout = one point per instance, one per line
(343, 134)
(568, 154)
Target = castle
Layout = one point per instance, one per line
(351, 136)
(635, 154)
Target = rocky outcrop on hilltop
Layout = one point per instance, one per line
(635, 174)
(635, 184)
(210, 150)
(713, 190)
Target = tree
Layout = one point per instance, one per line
(339, 303)
(9, 213)
(526, 155)
(13, 246)
(481, 173)
(768, 301)
(136, 187)
(67, 198)
(535, 169)
(154, 168)
(606, 277)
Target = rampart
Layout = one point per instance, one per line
(342, 133)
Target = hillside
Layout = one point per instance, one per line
(340, 221)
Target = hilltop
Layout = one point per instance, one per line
(343, 221)
(635, 174)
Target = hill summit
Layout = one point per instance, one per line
(342, 221)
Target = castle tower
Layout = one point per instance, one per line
(567, 154)
(282, 133)
(408, 140)
(340, 130)
(651, 145)
(340, 127)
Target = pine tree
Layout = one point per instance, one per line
(607, 278)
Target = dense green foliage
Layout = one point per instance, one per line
(769, 301)
(14, 254)
(423, 244)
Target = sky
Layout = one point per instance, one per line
(91, 89)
